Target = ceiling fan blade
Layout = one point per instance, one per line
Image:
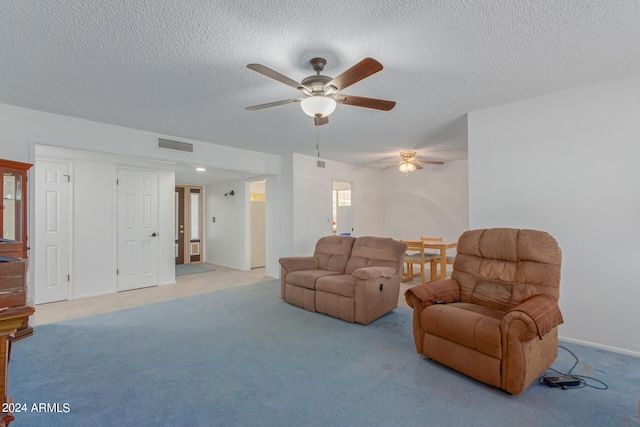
(272, 104)
(388, 160)
(319, 121)
(429, 162)
(418, 167)
(262, 69)
(392, 166)
(358, 101)
(360, 71)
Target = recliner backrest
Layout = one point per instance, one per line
(332, 252)
(369, 251)
(502, 267)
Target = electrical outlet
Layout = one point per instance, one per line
(213, 219)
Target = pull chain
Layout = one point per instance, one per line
(318, 142)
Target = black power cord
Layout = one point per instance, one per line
(569, 380)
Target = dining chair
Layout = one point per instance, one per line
(417, 255)
(449, 259)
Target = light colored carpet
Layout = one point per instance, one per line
(243, 357)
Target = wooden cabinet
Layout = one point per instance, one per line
(10, 320)
(14, 242)
(13, 276)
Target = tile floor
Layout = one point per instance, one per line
(186, 285)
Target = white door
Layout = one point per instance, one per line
(137, 229)
(52, 232)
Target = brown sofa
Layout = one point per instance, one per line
(353, 279)
(496, 319)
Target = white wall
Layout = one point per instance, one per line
(286, 202)
(567, 163)
(432, 202)
(94, 216)
(225, 238)
(166, 225)
(273, 219)
(22, 129)
(94, 220)
(311, 210)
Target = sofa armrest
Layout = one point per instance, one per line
(366, 273)
(298, 263)
(539, 313)
(441, 291)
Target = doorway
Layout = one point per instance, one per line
(188, 224)
(257, 202)
(342, 219)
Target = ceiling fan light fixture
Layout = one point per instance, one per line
(318, 106)
(407, 167)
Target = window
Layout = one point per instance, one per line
(194, 225)
(343, 197)
(341, 204)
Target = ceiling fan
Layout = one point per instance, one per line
(409, 162)
(322, 93)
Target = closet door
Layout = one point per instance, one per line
(138, 243)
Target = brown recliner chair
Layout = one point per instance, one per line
(496, 319)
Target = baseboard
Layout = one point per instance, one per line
(602, 347)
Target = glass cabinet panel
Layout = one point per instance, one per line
(13, 209)
(12, 206)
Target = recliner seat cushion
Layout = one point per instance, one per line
(470, 325)
(308, 278)
(341, 284)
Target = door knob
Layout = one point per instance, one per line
(154, 235)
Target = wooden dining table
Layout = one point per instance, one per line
(442, 246)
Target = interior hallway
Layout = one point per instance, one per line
(186, 285)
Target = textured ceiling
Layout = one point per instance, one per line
(178, 67)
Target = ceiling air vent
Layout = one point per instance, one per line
(175, 145)
(320, 164)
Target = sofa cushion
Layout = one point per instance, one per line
(341, 284)
(376, 252)
(470, 325)
(332, 252)
(307, 278)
